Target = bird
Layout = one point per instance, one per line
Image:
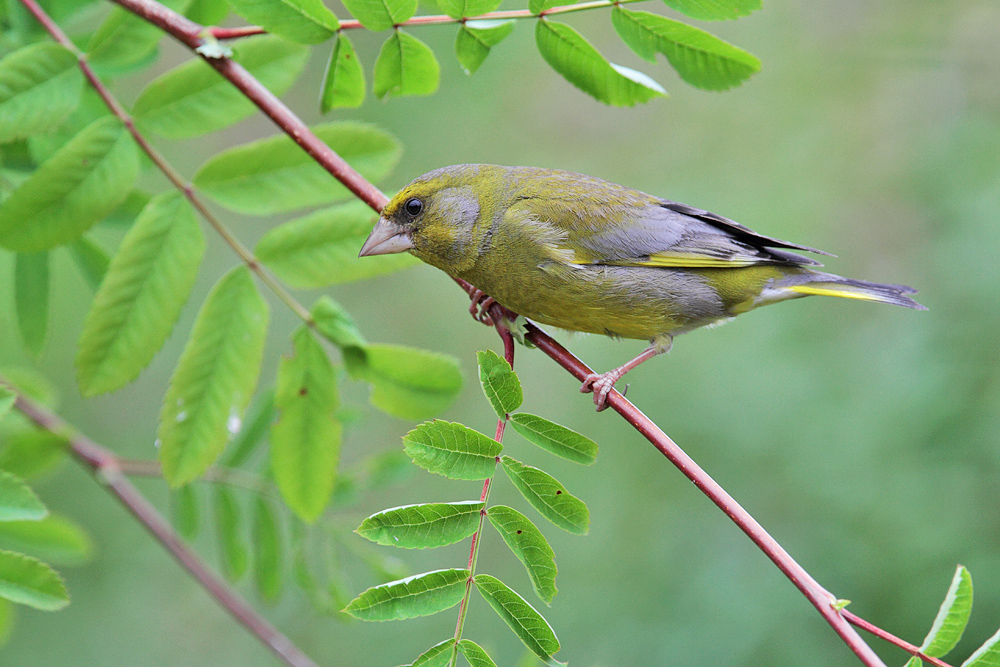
(584, 254)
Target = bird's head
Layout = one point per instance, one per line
(434, 218)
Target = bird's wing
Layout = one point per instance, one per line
(659, 233)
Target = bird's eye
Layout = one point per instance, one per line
(413, 206)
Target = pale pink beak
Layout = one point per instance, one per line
(386, 238)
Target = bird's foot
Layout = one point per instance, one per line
(601, 385)
(480, 307)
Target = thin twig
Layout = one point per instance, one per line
(508, 349)
(217, 474)
(437, 19)
(891, 638)
(105, 466)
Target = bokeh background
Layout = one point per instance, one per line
(865, 438)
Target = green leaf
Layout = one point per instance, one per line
(31, 298)
(536, 6)
(125, 215)
(253, 432)
(84, 181)
(31, 582)
(268, 555)
(952, 617)
(467, 8)
(555, 438)
(193, 99)
(214, 379)
(500, 383)
(91, 259)
(232, 550)
(701, 59)
(54, 538)
(147, 284)
(7, 400)
(568, 53)
(452, 450)
(475, 39)
(530, 547)
(31, 383)
(125, 41)
(303, 21)
(305, 440)
(548, 496)
(335, 324)
(522, 618)
(406, 382)
(715, 10)
(987, 655)
(474, 653)
(381, 14)
(44, 145)
(207, 12)
(419, 595)
(274, 175)
(17, 501)
(321, 248)
(344, 83)
(40, 86)
(185, 513)
(405, 66)
(422, 526)
(32, 453)
(436, 656)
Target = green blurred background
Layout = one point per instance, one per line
(866, 439)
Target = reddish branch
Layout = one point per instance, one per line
(436, 19)
(508, 354)
(106, 468)
(193, 35)
(892, 639)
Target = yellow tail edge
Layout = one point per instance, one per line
(830, 291)
(891, 294)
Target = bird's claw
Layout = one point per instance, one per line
(601, 385)
(480, 307)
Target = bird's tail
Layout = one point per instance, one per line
(827, 284)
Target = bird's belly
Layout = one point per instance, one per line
(627, 302)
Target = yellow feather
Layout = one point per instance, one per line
(828, 291)
(686, 261)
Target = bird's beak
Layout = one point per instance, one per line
(386, 238)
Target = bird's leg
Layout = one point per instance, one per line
(480, 307)
(602, 383)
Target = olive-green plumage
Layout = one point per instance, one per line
(584, 254)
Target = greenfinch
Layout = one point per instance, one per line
(584, 254)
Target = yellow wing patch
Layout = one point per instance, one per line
(677, 260)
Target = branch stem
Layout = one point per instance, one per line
(854, 619)
(216, 474)
(820, 598)
(463, 608)
(108, 470)
(438, 19)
